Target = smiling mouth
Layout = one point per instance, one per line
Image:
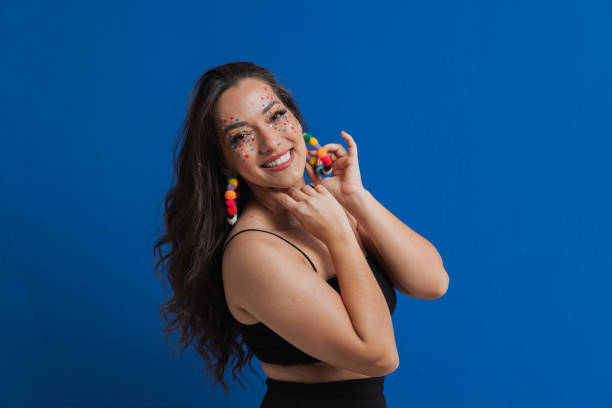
(279, 161)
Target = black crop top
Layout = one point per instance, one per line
(269, 347)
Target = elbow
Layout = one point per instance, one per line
(443, 287)
(385, 366)
(440, 288)
(431, 291)
(393, 365)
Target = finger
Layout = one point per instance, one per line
(308, 189)
(298, 194)
(283, 198)
(321, 188)
(317, 164)
(333, 149)
(332, 155)
(336, 148)
(352, 146)
(342, 163)
(312, 175)
(335, 157)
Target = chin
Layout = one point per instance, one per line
(287, 180)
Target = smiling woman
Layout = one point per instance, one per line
(310, 289)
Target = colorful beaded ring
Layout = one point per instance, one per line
(324, 168)
(230, 196)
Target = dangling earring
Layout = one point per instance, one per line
(230, 200)
(326, 167)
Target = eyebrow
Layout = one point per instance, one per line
(267, 108)
(234, 126)
(240, 124)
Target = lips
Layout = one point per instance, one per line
(271, 159)
(284, 165)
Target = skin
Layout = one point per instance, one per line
(411, 262)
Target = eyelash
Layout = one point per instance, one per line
(279, 112)
(240, 136)
(237, 138)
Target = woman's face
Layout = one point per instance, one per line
(256, 128)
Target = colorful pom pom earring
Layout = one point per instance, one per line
(326, 167)
(231, 196)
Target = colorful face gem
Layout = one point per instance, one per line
(242, 142)
(277, 116)
(240, 139)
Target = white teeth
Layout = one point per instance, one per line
(280, 160)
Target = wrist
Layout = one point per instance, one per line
(342, 240)
(356, 202)
(341, 231)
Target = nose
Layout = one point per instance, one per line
(269, 139)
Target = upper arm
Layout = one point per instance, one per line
(368, 242)
(296, 303)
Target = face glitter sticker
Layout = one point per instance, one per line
(277, 117)
(242, 141)
(270, 96)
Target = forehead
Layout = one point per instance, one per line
(245, 99)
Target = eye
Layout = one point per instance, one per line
(238, 138)
(279, 113)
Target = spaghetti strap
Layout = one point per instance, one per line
(269, 232)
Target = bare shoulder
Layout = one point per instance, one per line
(255, 245)
(249, 252)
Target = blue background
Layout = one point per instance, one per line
(484, 126)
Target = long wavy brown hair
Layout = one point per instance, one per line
(195, 227)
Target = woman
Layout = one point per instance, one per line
(304, 275)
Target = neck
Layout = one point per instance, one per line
(277, 215)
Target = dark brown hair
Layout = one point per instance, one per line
(196, 227)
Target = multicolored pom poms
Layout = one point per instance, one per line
(230, 196)
(326, 167)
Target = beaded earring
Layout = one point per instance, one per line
(326, 167)
(230, 200)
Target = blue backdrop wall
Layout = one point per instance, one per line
(484, 126)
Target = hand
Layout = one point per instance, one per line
(316, 209)
(346, 177)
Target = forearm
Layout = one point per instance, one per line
(413, 263)
(363, 298)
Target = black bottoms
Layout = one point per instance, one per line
(357, 393)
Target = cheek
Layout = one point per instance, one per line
(244, 149)
(287, 124)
